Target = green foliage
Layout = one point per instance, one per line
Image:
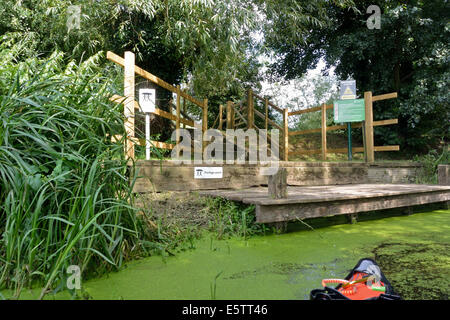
(64, 196)
(430, 162)
(231, 218)
(212, 46)
(213, 286)
(45, 22)
(205, 41)
(305, 92)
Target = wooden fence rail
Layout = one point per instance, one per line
(367, 126)
(131, 105)
(246, 115)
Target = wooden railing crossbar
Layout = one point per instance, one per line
(130, 104)
(367, 126)
(245, 113)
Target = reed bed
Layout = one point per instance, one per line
(65, 198)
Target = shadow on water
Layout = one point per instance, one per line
(323, 222)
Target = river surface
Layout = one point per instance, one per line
(287, 266)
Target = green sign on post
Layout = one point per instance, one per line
(352, 110)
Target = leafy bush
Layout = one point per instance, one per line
(64, 194)
(233, 219)
(430, 162)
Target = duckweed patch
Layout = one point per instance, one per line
(412, 251)
(283, 268)
(417, 271)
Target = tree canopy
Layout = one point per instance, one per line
(214, 46)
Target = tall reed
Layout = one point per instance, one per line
(65, 197)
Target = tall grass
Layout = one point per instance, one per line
(64, 194)
(232, 219)
(428, 173)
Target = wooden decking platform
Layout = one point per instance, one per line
(319, 201)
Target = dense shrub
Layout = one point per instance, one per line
(64, 196)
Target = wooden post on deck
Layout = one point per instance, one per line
(368, 126)
(128, 110)
(277, 184)
(277, 189)
(444, 174)
(324, 132)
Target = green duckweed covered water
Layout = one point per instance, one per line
(412, 251)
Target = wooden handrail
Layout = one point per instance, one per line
(337, 127)
(141, 142)
(344, 150)
(119, 99)
(239, 114)
(269, 103)
(215, 121)
(147, 75)
(319, 108)
(384, 96)
(273, 123)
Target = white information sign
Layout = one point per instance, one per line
(208, 173)
(147, 100)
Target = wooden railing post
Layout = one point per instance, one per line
(177, 123)
(250, 109)
(233, 118)
(128, 90)
(324, 132)
(184, 110)
(266, 103)
(220, 117)
(368, 126)
(229, 126)
(205, 120)
(286, 135)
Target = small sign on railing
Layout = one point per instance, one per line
(147, 100)
(208, 173)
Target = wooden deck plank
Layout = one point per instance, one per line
(237, 195)
(344, 192)
(320, 201)
(277, 213)
(308, 194)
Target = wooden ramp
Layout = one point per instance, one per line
(320, 201)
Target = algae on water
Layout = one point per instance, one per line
(412, 251)
(417, 271)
